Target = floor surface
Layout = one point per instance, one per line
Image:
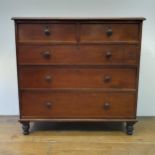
(76, 138)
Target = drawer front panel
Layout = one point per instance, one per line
(77, 104)
(77, 78)
(46, 32)
(83, 54)
(109, 32)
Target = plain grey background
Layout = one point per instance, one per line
(75, 8)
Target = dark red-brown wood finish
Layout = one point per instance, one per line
(78, 69)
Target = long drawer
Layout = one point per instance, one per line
(45, 104)
(79, 54)
(47, 77)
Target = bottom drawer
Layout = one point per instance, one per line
(77, 104)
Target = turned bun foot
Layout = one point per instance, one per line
(130, 128)
(25, 127)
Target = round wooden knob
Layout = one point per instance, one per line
(108, 54)
(48, 78)
(46, 54)
(107, 78)
(47, 31)
(106, 106)
(48, 105)
(109, 32)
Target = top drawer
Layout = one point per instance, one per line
(109, 32)
(46, 33)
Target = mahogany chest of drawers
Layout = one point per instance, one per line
(78, 69)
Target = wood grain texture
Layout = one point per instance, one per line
(36, 32)
(77, 78)
(77, 105)
(99, 32)
(76, 138)
(78, 54)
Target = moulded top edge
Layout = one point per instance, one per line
(78, 18)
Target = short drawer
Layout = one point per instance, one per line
(46, 33)
(82, 54)
(109, 32)
(46, 77)
(44, 104)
